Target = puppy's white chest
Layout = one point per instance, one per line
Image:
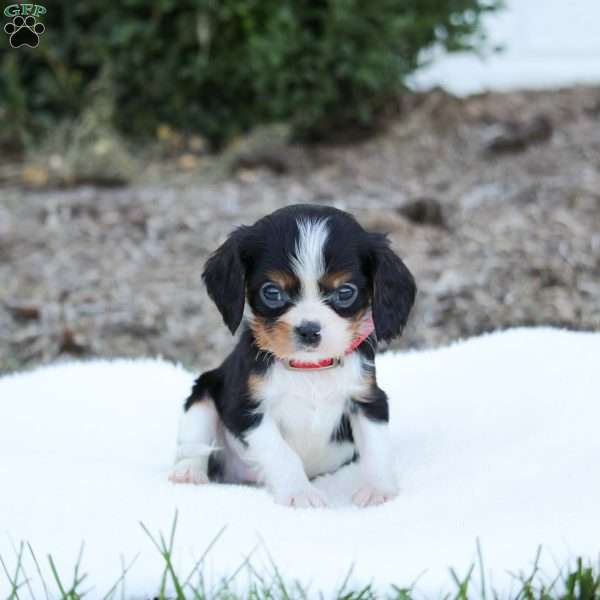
(307, 408)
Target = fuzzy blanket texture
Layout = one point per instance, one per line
(496, 440)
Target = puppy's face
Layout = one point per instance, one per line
(310, 276)
(308, 297)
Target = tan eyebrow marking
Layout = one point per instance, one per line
(282, 278)
(336, 279)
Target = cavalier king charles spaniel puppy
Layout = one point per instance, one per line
(298, 397)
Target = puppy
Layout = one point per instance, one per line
(298, 396)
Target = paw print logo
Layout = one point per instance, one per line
(24, 31)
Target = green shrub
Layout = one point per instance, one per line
(219, 67)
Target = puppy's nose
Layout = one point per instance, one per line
(309, 333)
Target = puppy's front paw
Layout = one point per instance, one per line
(307, 497)
(189, 470)
(371, 495)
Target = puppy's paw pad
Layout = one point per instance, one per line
(309, 497)
(369, 495)
(189, 470)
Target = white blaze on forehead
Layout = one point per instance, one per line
(308, 264)
(309, 260)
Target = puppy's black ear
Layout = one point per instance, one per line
(394, 289)
(225, 279)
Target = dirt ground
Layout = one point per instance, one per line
(492, 201)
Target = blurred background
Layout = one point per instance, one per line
(134, 136)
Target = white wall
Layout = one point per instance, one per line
(548, 43)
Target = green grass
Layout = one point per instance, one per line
(579, 581)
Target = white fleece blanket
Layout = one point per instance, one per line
(497, 439)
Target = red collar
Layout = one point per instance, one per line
(364, 332)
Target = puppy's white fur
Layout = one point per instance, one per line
(307, 407)
(196, 439)
(308, 264)
(309, 261)
(377, 477)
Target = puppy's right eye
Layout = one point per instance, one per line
(273, 296)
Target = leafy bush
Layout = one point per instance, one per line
(219, 67)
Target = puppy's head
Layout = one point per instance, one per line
(310, 276)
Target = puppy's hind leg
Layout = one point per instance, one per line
(197, 437)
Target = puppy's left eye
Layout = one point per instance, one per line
(345, 295)
(273, 296)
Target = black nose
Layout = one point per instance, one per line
(308, 333)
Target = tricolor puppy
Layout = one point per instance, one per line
(298, 396)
